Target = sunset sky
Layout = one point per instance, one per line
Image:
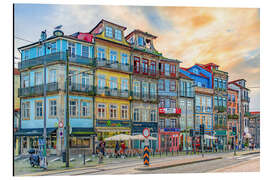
(229, 37)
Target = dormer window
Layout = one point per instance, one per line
(140, 41)
(148, 43)
(108, 31)
(118, 35)
(131, 40)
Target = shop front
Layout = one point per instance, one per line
(137, 128)
(169, 139)
(221, 141)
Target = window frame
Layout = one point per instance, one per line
(109, 32)
(51, 114)
(71, 106)
(117, 35)
(40, 109)
(124, 111)
(113, 113)
(26, 110)
(102, 113)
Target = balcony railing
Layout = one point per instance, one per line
(112, 92)
(245, 98)
(146, 71)
(117, 66)
(232, 116)
(55, 57)
(38, 90)
(78, 87)
(144, 96)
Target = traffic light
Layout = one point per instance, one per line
(234, 131)
(202, 129)
(191, 133)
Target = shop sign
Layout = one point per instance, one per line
(112, 123)
(139, 126)
(220, 133)
(169, 110)
(170, 130)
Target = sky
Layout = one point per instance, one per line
(229, 37)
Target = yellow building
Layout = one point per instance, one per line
(16, 107)
(112, 80)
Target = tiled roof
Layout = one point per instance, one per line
(181, 75)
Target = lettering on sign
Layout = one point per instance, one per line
(170, 110)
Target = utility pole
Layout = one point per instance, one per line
(67, 108)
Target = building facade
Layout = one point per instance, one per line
(243, 106)
(52, 51)
(16, 109)
(233, 117)
(254, 128)
(186, 100)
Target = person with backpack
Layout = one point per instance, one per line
(116, 150)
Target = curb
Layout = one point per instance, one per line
(177, 164)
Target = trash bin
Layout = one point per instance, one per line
(64, 156)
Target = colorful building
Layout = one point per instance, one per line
(169, 111)
(16, 109)
(144, 79)
(52, 50)
(186, 100)
(254, 128)
(233, 116)
(243, 105)
(112, 81)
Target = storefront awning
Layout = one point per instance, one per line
(34, 132)
(82, 132)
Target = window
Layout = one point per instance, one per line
(39, 51)
(173, 123)
(173, 103)
(153, 68)
(173, 70)
(113, 111)
(161, 84)
(100, 53)
(224, 102)
(25, 81)
(152, 89)
(53, 47)
(118, 35)
(85, 51)
(27, 54)
(108, 32)
(216, 119)
(145, 66)
(124, 58)
(209, 121)
(220, 103)
(113, 83)
(220, 83)
(167, 69)
(229, 97)
(124, 111)
(224, 84)
(85, 109)
(101, 110)
(71, 46)
(124, 84)
(233, 98)
(145, 89)
(189, 90)
(199, 84)
(172, 85)
(203, 104)
(195, 71)
(229, 111)
(153, 116)
(39, 109)
(197, 121)
(85, 80)
(72, 78)
(216, 101)
(140, 41)
(168, 123)
(136, 115)
(101, 81)
(136, 64)
(113, 56)
(161, 103)
(167, 103)
(73, 108)
(209, 104)
(183, 88)
(26, 110)
(52, 75)
(53, 108)
(198, 104)
(233, 110)
(38, 78)
(203, 120)
(162, 69)
(161, 123)
(136, 88)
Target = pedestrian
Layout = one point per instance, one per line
(116, 150)
(123, 148)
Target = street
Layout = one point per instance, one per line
(249, 162)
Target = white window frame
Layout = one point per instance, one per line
(102, 113)
(109, 31)
(113, 111)
(52, 108)
(124, 111)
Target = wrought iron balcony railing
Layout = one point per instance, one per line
(112, 92)
(116, 65)
(55, 57)
(78, 87)
(38, 89)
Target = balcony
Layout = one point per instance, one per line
(112, 92)
(232, 116)
(144, 96)
(78, 87)
(37, 90)
(245, 98)
(116, 66)
(146, 71)
(220, 109)
(55, 57)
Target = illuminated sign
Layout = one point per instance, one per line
(169, 110)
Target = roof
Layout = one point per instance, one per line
(238, 85)
(170, 60)
(236, 81)
(181, 75)
(103, 20)
(202, 66)
(140, 31)
(201, 75)
(16, 71)
(232, 90)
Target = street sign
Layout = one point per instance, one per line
(61, 124)
(146, 132)
(61, 133)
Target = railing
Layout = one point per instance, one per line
(112, 92)
(117, 66)
(78, 87)
(146, 71)
(38, 90)
(232, 116)
(245, 98)
(55, 57)
(187, 93)
(144, 96)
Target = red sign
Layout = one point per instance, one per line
(146, 132)
(61, 124)
(170, 110)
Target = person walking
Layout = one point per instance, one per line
(116, 150)
(123, 148)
